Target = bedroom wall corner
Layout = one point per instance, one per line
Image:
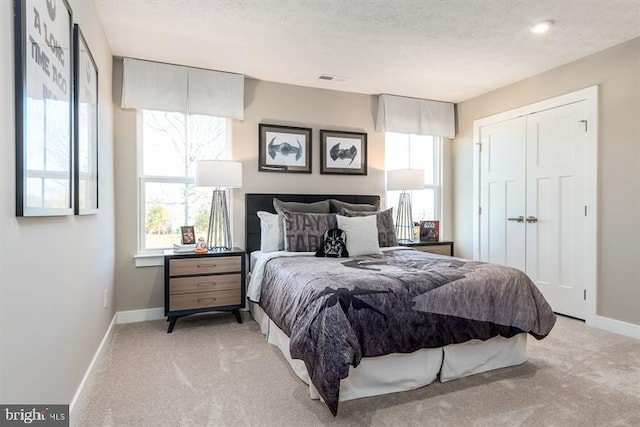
(53, 270)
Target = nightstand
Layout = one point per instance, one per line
(442, 247)
(198, 283)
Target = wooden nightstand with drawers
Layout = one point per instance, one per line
(198, 283)
(442, 248)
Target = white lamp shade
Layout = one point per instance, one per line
(405, 179)
(218, 173)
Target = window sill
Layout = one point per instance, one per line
(148, 260)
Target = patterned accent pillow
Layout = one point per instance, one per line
(304, 232)
(384, 221)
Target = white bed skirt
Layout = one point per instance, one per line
(401, 372)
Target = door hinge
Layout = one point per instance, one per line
(585, 294)
(585, 210)
(479, 144)
(479, 210)
(586, 124)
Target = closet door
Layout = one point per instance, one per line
(555, 205)
(502, 192)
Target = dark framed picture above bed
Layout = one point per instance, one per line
(284, 149)
(343, 153)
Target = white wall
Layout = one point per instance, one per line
(53, 271)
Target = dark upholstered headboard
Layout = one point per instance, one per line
(255, 202)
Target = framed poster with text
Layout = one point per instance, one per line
(44, 107)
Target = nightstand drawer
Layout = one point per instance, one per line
(187, 285)
(204, 265)
(435, 249)
(205, 299)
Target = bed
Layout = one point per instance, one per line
(389, 321)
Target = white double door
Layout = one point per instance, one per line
(533, 202)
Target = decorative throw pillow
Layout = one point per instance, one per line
(384, 222)
(304, 232)
(362, 234)
(271, 233)
(338, 205)
(315, 207)
(334, 244)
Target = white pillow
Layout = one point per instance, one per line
(271, 233)
(362, 234)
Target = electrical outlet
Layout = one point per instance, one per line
(104, 303)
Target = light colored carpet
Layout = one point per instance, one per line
(213, 371)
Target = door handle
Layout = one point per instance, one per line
(531, 219)
(518, 219)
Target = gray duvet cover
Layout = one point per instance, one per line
(338, 310)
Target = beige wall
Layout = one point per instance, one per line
(140, 288)
(617, 72)
(265, 102)
(53, 271)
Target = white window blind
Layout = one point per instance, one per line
(415, 116)
(157, 86)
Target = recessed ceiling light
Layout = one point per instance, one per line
(541, 27)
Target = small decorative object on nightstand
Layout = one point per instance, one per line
(442, 247)
(198, 283)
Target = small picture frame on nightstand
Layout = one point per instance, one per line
(429, 231)
(188, 235)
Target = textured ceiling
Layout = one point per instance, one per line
(448, 50)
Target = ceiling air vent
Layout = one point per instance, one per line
(332, 78)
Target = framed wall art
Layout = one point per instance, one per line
(85, 126)
(187, 235)
(284, 149)
(44, 107)
(343, 153)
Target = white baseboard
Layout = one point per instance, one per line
(617, 326)
(88, 375)
(133, 316)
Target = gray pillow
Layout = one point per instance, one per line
(316, 207)
(337, 206)
(304, 232)
(384, 221)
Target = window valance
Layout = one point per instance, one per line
(417, 116)
(166, 87)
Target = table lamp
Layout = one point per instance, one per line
(405, 180)
(219, 174)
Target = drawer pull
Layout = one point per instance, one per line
(206, 284)
(206, 265)
(207, 300)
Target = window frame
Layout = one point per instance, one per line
(142, 180)
(437, 175)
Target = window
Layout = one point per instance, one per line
(407, 151)
(169, 145)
